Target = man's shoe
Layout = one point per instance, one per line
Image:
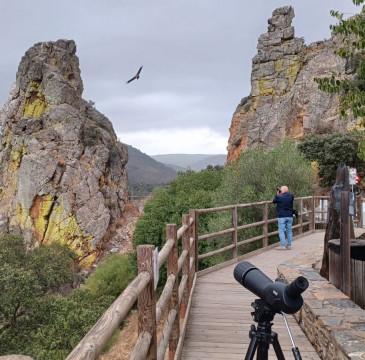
(281, 248)
(288, 247)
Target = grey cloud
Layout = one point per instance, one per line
(197, 55)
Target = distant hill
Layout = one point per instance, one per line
(142, 168)
(196, 162)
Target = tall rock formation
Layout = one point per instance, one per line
(62, 170)
(284, 99)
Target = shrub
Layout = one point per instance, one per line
(331, 150)
(111, 277)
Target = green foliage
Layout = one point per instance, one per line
(190, 190)
(63, 322)
(91, 135)
(25, 278)
(258, 173)
(111, 276)
(34, 320)
(331, 150)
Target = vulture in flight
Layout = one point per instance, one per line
(135, 76)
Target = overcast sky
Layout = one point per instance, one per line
(196, 57)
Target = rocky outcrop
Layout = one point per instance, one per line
(285, 100)
(62, 170)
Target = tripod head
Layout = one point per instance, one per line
(264, 313)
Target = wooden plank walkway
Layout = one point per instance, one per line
(220, 315)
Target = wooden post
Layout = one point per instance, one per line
(172, 268)
(147, 298)
(193, 250)
(358, 212)
(312, 224)
(196, 244)
(300, 217)
(345, 255)
(265, 230)
(234, 234)
(186, 265)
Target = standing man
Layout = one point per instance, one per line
(284, 210)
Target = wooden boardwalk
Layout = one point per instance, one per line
(220, 315)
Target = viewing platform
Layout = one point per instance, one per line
(220, 315)
(202, 312)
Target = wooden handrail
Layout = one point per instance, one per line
(94, 341)
(176, 294)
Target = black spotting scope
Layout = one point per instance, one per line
(280, 296)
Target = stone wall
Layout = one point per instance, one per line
(333, 323)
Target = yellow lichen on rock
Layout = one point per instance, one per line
(35, 104)
(89, 260)
(21, 217)
(40, 212)
(278, 64)
(63, 228)
(292, 71)
(265, 89)
(16, 156)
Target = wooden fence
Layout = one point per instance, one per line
(181, 275)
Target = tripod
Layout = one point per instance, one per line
(262, 336)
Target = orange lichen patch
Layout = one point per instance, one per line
(296, 130)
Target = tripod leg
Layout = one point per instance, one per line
(253, 343)
(296, 354)
(277, 347)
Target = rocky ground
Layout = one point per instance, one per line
(121, 238)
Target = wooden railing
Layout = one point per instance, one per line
(181, 274)
(174, 298)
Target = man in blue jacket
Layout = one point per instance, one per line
(284, 210)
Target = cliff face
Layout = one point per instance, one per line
(62, 170)
(284, 99)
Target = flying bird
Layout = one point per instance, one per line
(135, 76)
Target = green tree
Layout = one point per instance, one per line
(36, 320)
(191, 190)
(25, 278)
(331, 150)
(62, 322)
(258, 172)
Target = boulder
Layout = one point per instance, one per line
(62, 169)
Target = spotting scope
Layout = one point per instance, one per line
(280, 296)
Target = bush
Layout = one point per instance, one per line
(331, 150)
(34, 320)
(190, 190)
(26, 277)
(258, 173)
(111, 276)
